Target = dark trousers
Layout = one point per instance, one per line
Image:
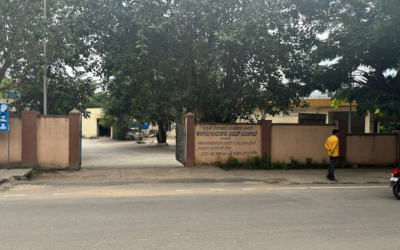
(331, 172)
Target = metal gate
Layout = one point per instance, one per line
(180, 139)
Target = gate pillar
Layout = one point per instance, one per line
(189, 139)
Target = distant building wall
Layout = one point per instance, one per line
(89, 125)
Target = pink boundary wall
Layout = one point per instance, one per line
(42, 141)
(283, 141)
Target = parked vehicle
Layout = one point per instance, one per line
(394, 182)
(133, 135)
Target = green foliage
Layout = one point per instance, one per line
(232, 162)
(309, 161)
(97, 100)
(364, 53)
(342, 163)
(279, 165)
(264, 163)
(294, 163)
(219, 61)
(257, 162)
(324, 163)
(120, 125)
(4, 85)
(21, 55)
(388, 127)
(337, 102)
(64, 93)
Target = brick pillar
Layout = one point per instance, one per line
(266, 133)
(189, 161)
(74, 139)
(342, 126)
(29, 138)
(397, 132)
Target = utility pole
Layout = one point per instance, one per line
(45, 64)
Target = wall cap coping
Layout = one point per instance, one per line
(226, 123)
(370, 134)
(190, 114)
(74, 113)
(30, 112)
(53, 116)
(296, 124)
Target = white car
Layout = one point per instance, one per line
(133, 135)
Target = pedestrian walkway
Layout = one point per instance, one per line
(6, 174)
(212, 174)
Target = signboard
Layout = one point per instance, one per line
(4, 118)
(217, 142)
(312, 118)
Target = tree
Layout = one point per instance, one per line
(388, 127)
(363, 43)
(230, 57)
(97, 100)
(6, 82)
(219, 59)
(22, 32)
(65, 93)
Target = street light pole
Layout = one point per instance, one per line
(45, 64)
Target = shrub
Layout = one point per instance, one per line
(279, 165)
(232, 162)
(309, 162)
(324, 163)
(294, 163)
(266, 162)
(254, 162)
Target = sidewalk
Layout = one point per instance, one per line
(211, 174)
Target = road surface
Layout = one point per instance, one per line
(198, 216)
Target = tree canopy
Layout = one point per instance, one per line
(218, 59)
(363, 47)
(22, 32)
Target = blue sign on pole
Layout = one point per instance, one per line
(4, 118)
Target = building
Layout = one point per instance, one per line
(91, 127)
(321, 111)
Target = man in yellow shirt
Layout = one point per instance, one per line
(332, 145)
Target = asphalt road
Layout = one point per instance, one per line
(198, 216)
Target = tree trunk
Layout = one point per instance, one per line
(162, 134)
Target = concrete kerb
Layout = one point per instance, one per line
(187, 181)
(206, 175)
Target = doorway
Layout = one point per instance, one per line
(102, 131)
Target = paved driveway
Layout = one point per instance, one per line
(106, 153)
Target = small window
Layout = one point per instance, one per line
(312, 118)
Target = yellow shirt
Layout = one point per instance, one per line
(332, 145)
